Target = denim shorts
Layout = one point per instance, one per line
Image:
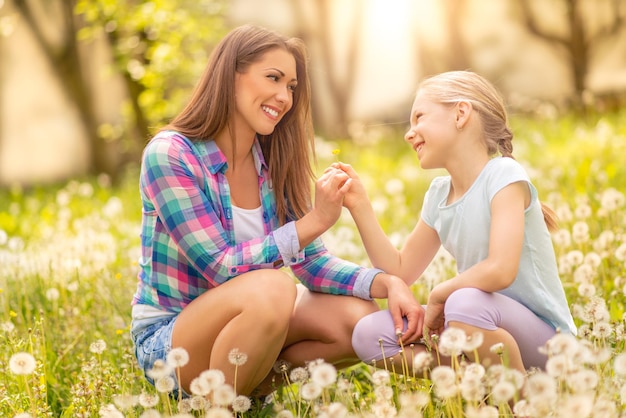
(152, 338)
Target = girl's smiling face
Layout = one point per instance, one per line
(264, 92)
(432, 130)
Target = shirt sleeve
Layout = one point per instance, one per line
(322, 272)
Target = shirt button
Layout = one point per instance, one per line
(233, 269)
(293, 259)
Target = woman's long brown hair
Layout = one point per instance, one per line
(290, 149)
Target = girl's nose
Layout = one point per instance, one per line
(410, 134)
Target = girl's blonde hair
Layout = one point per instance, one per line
(466, 86)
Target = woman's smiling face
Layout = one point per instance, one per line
(264, 92)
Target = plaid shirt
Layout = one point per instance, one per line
(188, 240)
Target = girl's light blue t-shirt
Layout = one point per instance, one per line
(463, 229)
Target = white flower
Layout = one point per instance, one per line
(224, 395)
(540, 386)
(159, 369)
(383, 392)
(218, 412)
(558, 365)
(586, 290)
(148, 400)
(310, 391)
(7, 327)
(241, 404)
(474, 341)
(198, 402)
(199, 387)
(110, 411)
(22, 414)
(381, 377)
(177, 357)
(324, 374)
(22, 363)
(298, 374)
(237, 358)
(474, 371)
(422, 361)
(52, 294)
(213, 378)
(165, 384)
(472, 390)
(503, 391)
(285, 413)
(452, 341)
(619, 364)
(124, 402)
(98, 346)
(150, 413)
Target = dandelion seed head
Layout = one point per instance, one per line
(22, 363)
(324, 374)
(148, 400)
(98, 346)
(381, 377)
(540, 386)
(310, 391)
(558, 365)
(7, 327)
(224, 395)
(218, 412)
(619, 364)
(199, 387)
(503, 391)
(165, 384)
(197, 403)
(281, 366)
(422, 361)
(213, 378)
(150, 413)
(383, 392)
(184, 406)
(125, 402)
(241, 404)
(452, 341)
(237, 358)
(53, 294)
(177, 357)
(285, 413)
(22, 414)
(413, 400)
(299, 374)
(110, 411)
(159, 369)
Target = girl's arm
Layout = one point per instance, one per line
(418, 251)
(506, 237)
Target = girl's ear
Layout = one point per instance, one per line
(463, 111)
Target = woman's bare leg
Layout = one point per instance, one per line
(251, 313)
(321, 328)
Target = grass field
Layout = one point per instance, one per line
(68, 266)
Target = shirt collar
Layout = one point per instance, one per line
(215, 160)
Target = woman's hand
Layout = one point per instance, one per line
(330, 190)
(401, 304)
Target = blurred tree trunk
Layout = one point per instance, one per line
(579, 40)
(340, 84)
(457, 57)
(64, 59)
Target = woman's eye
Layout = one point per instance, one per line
(293, 87)
(273, 77)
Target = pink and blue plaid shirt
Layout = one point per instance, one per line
(187, 236)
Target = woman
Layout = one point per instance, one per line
(226, 203)
(487, 214)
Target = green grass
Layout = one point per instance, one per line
(68, 257)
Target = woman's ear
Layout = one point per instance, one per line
(463, 111)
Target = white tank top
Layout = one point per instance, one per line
(248, 223)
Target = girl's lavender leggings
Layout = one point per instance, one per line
(488, 311)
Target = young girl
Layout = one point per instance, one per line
(486, 213)
(226, 190)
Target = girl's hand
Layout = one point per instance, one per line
(357, 193)
(434, 320)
